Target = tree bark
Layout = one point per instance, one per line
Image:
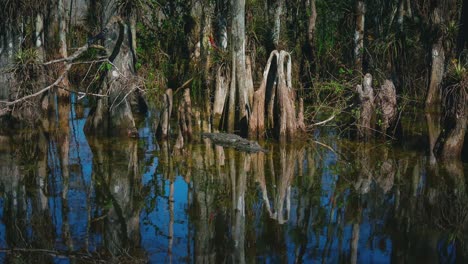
(238, 85)
(387, 102)
(359, 35)
(449, 145)
(239, 59)
(312, 21)
(367, 108)
(286, 99)
(113, 114)
(206, 32)
(56, 46)
(221, 92)
(463, 29)
(163, 125)
(437, 73)
(277, 22)
(257, 119)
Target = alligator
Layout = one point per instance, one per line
(234, 141)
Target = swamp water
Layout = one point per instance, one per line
(68, 198)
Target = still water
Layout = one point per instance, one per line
(70, 198)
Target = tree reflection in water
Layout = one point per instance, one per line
(67, 196)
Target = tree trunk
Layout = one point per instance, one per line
(186, 113)
(312, 21)
(367, 108)
(433, 131)
(286, 99)
(56, 47)
(163, 124)
(359, 35)
(113, 114)
(280, 100)
(277, 22)
(449, 145)
(257, 119)
(387, 102)
(206, 32)
(437, 73)
(238, 83)
(463, 29)
(221, 92)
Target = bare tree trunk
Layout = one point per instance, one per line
(312, 21)
(437, 73)
(56, 46)
(367, 108)
(221, 92)
(249, 86)
(231, 111)
(280, 104)
(257, 119)
(163, 125)
(277, 22)
(206, 32)
(185, 110)
(238, 46)
(237, 112)
(359, 34)
(113, 114)
(449, 145)
(286, 99)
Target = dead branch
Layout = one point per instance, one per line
(183, 85)
(324, 121)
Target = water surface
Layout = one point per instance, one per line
(68, 198)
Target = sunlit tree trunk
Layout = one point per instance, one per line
(238, 82)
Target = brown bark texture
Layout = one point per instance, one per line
(280, 103)
(387, 103)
